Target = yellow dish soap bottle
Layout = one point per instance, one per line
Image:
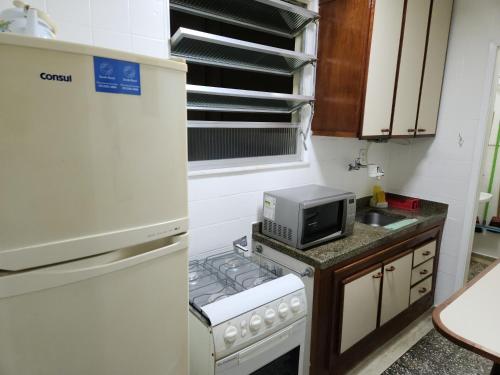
(378, 198)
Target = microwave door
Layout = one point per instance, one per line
(322, 221)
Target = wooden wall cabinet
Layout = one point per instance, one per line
(363, 303)
(380, 67)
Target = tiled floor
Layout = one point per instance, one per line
(420, 350)
(381, 359)
(476, 267)
(434, 354)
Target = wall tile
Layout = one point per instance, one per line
(40, 4)
(110, 39)
(111, 15)
(150, 47)
(220, 235)
(446, 287)
(72, 32)
(148, 18)
(77, 12)
(212, 211)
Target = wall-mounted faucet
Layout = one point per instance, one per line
(356, 165)
(374, 170)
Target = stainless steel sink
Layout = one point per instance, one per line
(378, 218)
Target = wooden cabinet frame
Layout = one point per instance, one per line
(345, 48)
(328, 297)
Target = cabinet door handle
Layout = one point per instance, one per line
(424, 272)
(422, 290)
(390, 269)
(411, 130)
(385, 130)
(378, 275)
(421, 130)
(426, 253)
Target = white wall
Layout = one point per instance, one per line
(222, 208)
(132, 25)
(441, 169)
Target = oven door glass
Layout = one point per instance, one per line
(287, 364)
(322, 221)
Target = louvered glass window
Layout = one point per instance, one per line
(245, 64)
(232, 143)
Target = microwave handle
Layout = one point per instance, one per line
(344, 215)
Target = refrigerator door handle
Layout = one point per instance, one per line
(16, 283)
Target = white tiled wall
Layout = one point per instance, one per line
(222, 208)
(139, 26)
(440, 169)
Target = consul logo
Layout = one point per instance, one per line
(55, 77)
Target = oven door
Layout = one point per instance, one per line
(282, 353)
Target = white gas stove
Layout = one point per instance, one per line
(246, 317)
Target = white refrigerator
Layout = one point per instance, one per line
(93, 211)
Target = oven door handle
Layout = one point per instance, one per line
(271, 342)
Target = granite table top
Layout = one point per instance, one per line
(364, 238)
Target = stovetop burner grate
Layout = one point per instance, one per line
(221, 275)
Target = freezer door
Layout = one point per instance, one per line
(121, 313)
(83, 171)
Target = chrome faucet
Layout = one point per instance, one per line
(356, 166)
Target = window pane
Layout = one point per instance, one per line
(230, 143)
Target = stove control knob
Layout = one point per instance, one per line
(255, 323)
(230, 334)
(295, 304)
(269, 316)
(283, 310)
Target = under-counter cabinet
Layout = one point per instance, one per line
(396, 287)
(363, 302)
(380, 67)
(360, 307)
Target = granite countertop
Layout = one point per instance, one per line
(363, 239)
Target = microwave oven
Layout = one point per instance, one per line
(308, 215)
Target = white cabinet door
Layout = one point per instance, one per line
(410, 67)
(434, 67)
(359, 313)
(396, 288)
(382, 67)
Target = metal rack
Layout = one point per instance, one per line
(271, 16)
(218, 279)
(217, 99)
(210, 49)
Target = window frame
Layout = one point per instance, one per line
(303, 84)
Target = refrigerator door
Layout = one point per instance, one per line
(123, 313)
(84, 170)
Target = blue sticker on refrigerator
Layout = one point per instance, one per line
(117, 76)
